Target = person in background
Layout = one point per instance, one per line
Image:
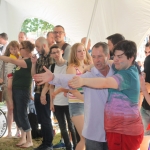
(59, 36)
(4, 42)
(50, 39)
(21, 91)
(88, 48)
(22, 36)
(43, 111)
(145, 108)
(112, 41)
(12, 51)
(59, 103)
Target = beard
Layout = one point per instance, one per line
(42, 52)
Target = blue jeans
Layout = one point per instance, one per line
(62, 113)
(20, 101)
(146, 119)
(95, 145)
(43, 115)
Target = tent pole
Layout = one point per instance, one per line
(91, 22)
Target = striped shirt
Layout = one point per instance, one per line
(72, 98)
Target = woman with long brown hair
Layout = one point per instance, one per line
(78, 61)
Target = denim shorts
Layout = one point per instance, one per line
(76, 109)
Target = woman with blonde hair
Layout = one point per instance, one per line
(78, 61)
(21, 91)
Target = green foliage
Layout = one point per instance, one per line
(36, 25)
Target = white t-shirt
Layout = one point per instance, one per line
(60, 99)
(4, 48)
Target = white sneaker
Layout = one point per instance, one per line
(17, 135)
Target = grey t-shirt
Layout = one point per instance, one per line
(67, 52)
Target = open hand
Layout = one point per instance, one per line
(43, 77)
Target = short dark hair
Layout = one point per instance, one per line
(54, 46)
(4, 36)
(28, 45)
(49, 33)
(147, 44)
(23, 33)
(103, 45)
(115, 38)
(59, 26)
(128, 47)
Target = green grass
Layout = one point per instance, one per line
(9, 144)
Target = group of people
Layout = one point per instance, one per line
(95, 90)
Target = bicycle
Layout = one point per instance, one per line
(3, 120)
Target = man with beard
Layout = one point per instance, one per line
(43, 111)
(112, 41)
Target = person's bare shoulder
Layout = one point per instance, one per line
(71, 69)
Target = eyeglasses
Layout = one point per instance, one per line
(147, 52)
(59, 32)
(118, 56)
(57, 52)
(21, 48)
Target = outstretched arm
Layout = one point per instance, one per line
(109, 82)
(43, 77)
(18, 62)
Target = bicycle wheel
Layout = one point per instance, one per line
(3, 123)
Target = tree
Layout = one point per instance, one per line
(38, 26)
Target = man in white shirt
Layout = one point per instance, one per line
(4, 42)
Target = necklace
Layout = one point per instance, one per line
(83, 66)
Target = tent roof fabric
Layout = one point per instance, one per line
(128, 17)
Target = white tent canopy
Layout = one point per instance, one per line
(128, 17)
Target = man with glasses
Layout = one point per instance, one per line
(112, 41)
(59, 36)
